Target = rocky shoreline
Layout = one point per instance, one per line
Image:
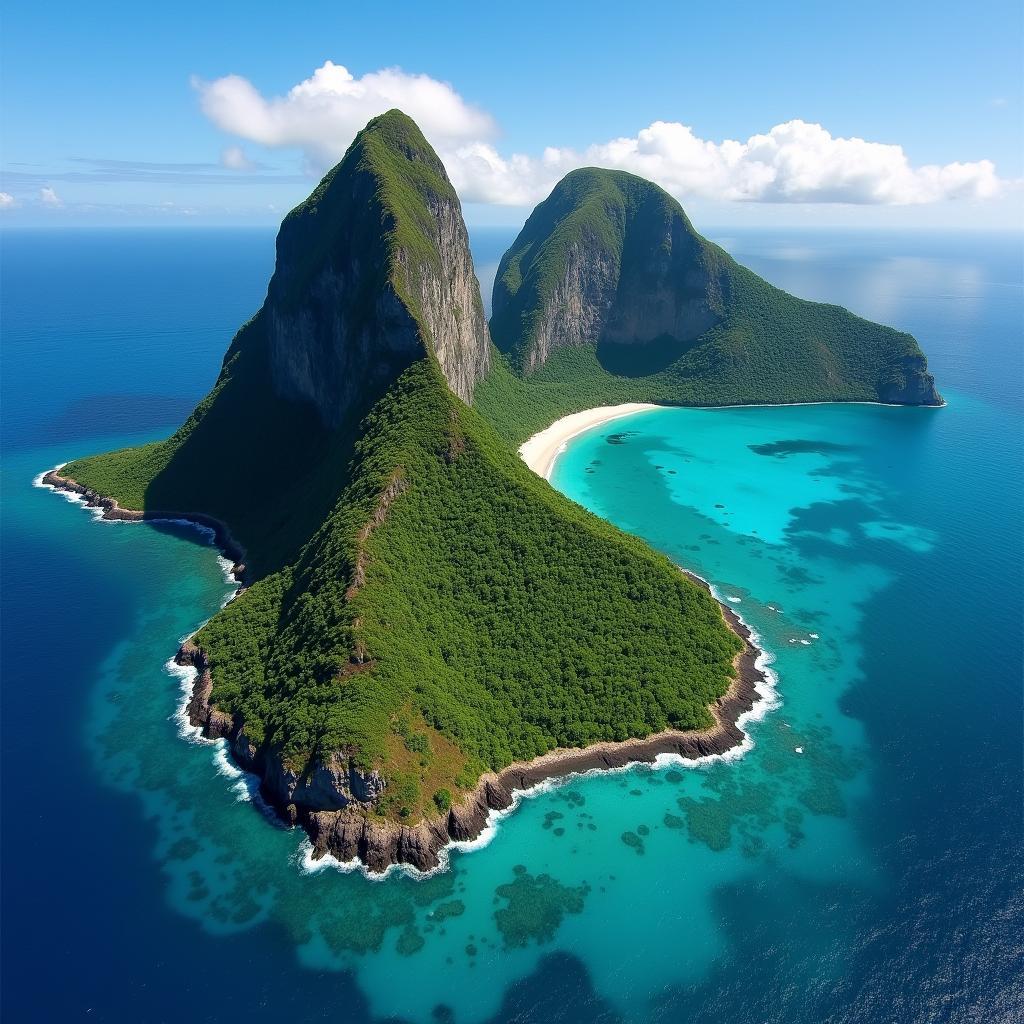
(229, 547)
(333, 801)
(351, 832)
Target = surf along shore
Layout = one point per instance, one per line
(357, 839)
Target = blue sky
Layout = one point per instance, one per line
(875, 114)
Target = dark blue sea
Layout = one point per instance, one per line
(862, 861)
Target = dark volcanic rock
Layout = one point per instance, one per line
(909, 383)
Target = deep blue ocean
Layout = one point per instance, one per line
(863, 862)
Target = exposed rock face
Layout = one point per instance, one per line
(333, 784)
(318, 353)
(665, 288)
(363, 287)
(449, 297)
(640, 277)
(578, 310)
(908, 382)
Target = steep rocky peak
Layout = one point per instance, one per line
(373, 272)
(608, 258)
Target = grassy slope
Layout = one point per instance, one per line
(469, 618)
(769, 346)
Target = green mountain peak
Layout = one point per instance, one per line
(374, 270)
(609, 294)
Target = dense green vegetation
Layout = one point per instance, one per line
(418, 597)
(764, 345)
(509, 618)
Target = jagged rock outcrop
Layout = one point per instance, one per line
(371, 274)
(330, 784)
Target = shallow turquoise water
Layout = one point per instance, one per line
(861, 862)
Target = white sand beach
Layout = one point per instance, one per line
(541, 450)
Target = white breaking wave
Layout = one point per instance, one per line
(71, 496)
(186, 676)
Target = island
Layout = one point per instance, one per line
(423, 625)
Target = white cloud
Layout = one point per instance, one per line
(794, 162)
(50, 198)
(322, 114)
(234, 158)
(7, 201)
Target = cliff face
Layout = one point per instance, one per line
(577, 309)
(908, 382)
(449, 298)
(667, 287)
(373, 271)
(607, 258)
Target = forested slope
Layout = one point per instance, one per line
(420, 606)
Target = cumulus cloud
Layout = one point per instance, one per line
(794, 162)
(6, 201)
(322, 114)
(50, 198)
